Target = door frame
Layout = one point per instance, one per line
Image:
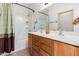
(71, 10)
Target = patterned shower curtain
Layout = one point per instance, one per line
(6, 29)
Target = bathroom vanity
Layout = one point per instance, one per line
(52, 45)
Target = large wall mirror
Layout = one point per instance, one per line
(60, 17)
(65, 20)
(43, 19)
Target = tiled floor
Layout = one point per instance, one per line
(23, 52)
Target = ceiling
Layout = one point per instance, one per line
(34, 6)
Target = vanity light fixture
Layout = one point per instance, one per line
(76, 21)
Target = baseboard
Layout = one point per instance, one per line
(19, 50)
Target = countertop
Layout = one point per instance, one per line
(66, 38)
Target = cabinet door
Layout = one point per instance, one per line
(76, 51)
(62, 49)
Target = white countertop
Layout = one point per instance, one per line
(67, 38)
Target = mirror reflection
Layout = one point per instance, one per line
(43, 17)
(65, 20)
(60, 18)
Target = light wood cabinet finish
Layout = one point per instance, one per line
(76, 51)
(45, 45)
(30, 43)
(35, 45)
(43, 53)
(41, 46)
(61, 49)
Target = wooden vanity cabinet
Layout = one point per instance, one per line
(46, 47)
(65, 49)
(35, 45)
(41, 46)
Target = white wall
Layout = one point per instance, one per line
(20, 17)
(54, 9)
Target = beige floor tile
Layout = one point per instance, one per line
(23, 52)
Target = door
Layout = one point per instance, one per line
(65, 20)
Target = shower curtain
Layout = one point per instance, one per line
(6, 29)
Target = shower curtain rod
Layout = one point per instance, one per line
(24, 6)
(43, 13)
(29, 8)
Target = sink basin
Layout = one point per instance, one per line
(71, 39)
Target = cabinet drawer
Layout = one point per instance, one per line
(35, 38)
(36, 48)
(45, 41)
(36, 43)
(34, 53)
(45, 48)
(43, 53)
